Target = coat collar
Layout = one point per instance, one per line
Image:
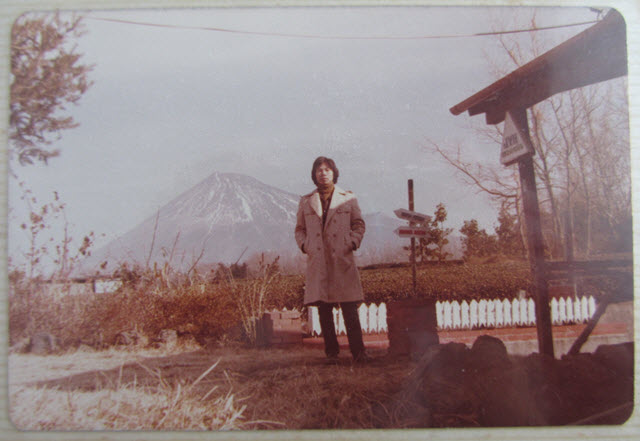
(336, 200)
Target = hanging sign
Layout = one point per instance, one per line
(515, 143)
(412, 216)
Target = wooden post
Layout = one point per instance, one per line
(413, 239)
(568, 235)
(534, 241)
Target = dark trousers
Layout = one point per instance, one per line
(351, 322)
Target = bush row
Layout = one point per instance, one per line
(209, 309)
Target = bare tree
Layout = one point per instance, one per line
(581, 140)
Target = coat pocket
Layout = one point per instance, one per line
(348, 245)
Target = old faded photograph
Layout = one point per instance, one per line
(286, 218)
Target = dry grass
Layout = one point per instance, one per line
(112, 403)
(221, 389)
(127, 407)
(299, 389)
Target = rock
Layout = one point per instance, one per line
(496, 384)
(168, 337)
(443, 387)
(188, 328)
(488, 352)
(543, 378)
(500, 397)
(618, 358)
(43, 343)
(22, 346)
(127, 338)
(85, 348)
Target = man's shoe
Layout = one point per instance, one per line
(362, 358)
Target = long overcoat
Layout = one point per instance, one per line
(332, 275)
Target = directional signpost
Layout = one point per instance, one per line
(412, 231)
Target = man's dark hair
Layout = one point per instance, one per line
(330, 163)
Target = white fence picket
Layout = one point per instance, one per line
(314, 321)
(562, 311)
(373, 318)
(382, 318)
(531, 307)
(440, 312)
(524, 317)
(554, 311)
(515, 312)
(446, 312)
(577, 311)
(465, 323)
(592, 306)
(506, 308)
(584, 306)
(497, 304)
(455, 310)
(569, 310)
(491, 314)
(363, 315)
(339, 320)
(482, 313)
(473, 313)
(476, 314)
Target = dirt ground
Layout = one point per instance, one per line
(450, 385)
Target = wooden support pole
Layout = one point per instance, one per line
(534, 241)
(413, 239)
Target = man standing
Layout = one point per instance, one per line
(329, 229)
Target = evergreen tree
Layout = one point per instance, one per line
(508, 234)
(432, 247)
(477, 242)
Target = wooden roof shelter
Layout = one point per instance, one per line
(597, 54)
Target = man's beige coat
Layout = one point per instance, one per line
(332, 274)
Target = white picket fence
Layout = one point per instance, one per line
(471, 315)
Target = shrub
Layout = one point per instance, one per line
(156, 299)
(447, 282)
(146, 305)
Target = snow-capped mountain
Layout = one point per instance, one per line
(228, 217)
(222, 216)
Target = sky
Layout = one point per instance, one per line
(171, 104)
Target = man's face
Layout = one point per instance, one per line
(324, 174)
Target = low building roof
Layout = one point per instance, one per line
(597, 54)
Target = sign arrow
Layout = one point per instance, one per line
(412, 216)
(412, 231)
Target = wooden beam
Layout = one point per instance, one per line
(590, 265)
